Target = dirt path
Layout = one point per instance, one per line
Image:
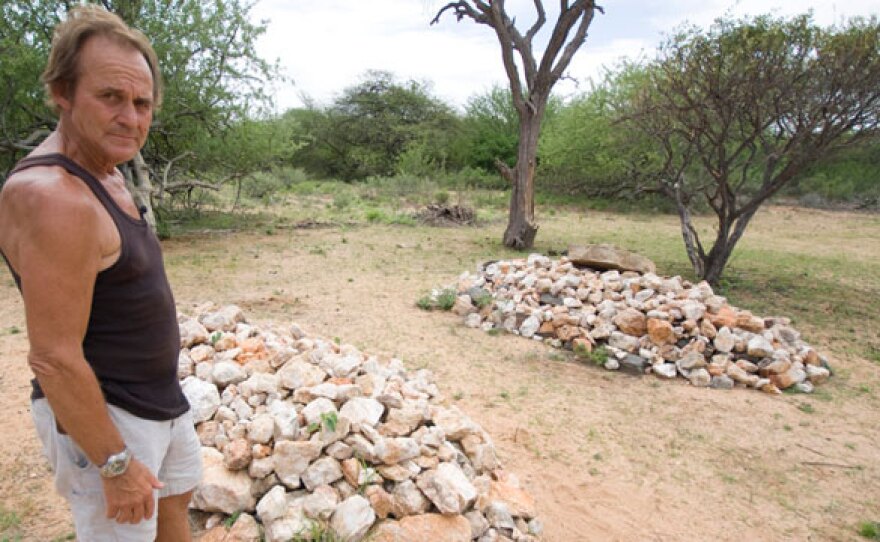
(608, 457)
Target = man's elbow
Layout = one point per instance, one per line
(52, 364)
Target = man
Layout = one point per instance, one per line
(101, 319)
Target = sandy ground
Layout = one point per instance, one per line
(609, 457)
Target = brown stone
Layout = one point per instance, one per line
(749, 322)
(546, 329)
(518, 501)
(660, 332)
(582, 345)
(776, 367)
(812, 358)
(707, 329)
(725, 316)
(217, 534)
(381, 501)
(631, 322)
(605, 256)
(351, 470)
(566, 333)
(237, 454)
(423, 528)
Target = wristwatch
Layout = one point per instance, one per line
(116, 464)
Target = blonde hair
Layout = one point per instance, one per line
(83, 22)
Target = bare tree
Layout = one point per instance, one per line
(738, 112)
(530, 89)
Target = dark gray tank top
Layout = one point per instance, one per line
(132, 340)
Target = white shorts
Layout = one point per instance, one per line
(170, 449)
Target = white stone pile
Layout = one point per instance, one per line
(302, 435)
(646, 323)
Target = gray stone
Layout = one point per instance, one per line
(352, 518)
(448, 488)
(666, 370)
(721, 382)
(324, 471)
(633, 364)
(700, 377)
(362, 411)
(759, 347)
(203, 397)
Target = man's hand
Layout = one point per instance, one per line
(130, 495)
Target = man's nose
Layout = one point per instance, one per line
(127, 114)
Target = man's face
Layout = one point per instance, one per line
(109, 113)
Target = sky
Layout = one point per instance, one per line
(324, 46)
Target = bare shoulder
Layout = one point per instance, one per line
(45, 205)
(40, 191)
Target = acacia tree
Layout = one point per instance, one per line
(738, 112)
(530, 82)
(370, 126)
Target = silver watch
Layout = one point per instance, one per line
(116, 464)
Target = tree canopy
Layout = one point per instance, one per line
(738, 111)
(370, 126)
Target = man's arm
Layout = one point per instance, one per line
(56, 251)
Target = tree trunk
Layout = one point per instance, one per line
(729, 233)
(138, 183)
(521, 227)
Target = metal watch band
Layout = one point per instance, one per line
(116, 464)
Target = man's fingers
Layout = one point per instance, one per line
(112, 511)
(151, 506)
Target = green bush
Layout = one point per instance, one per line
(261, 185)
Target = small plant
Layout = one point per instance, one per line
(328, 420)
(425, 303)
(870, 530)
(376, 215)
(807, 408)
(443, 299)
(446, 299)
(597, 356)
(215, 337)
(482, 299)
(8, 520)
(442, 197)
(230, 521)
(318, 532)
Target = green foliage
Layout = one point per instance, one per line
(441, 197)
(318, 533)
(329, 420)
(230, 521)
(438, 299)
(870, 530)
(446, 299)
(376, 128)
(10, 523)
(597, 356)
(482, 299)
(490, 130)
(737, 111)
(852, 175)
(586, 150)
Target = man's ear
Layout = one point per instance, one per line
(61, 96)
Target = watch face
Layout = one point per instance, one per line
(116, 464)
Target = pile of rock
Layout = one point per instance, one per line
(647, 323)
(302, 435)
